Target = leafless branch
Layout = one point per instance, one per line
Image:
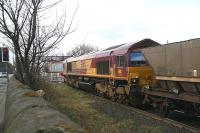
(20, 23)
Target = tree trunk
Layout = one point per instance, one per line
(19, 69)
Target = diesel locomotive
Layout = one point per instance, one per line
(118, 72)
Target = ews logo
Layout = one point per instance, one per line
(4, 54)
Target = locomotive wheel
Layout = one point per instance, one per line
(164, 111)
(147, 103)
(118, 98)
(197, 108)
(126, 100)
(135, 100)
(97, 92)
(113, 98)
(76, 84)
(189, 109)
(123, 99)
(164, 107)
(135, 97)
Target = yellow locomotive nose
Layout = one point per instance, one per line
(143, 73)
(119, 71)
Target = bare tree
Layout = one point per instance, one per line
(81, 49)
(22, 24)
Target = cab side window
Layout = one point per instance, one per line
(120, 61)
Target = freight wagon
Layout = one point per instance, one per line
(177, 70)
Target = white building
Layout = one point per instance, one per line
(53, 67)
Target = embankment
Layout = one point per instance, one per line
(33, 114)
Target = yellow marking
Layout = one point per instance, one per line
(91, 75)
(144, 73)
(183, 79)
(123, 78)
(98, 76)
(119, 71)
(111, 71)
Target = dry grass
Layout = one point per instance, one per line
(78, 105)
(149, 129)
(91, 113)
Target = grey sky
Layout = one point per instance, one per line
(110, 22)
(105, 23)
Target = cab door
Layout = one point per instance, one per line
(119, 66)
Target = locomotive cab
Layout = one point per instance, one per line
(139, 71)
(132, 74)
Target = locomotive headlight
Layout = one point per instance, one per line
(175, 90)
(147, 87)
(135, 80)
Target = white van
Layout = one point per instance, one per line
(3, 74)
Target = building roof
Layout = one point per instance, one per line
(54, 58)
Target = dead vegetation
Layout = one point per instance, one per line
(85, 110)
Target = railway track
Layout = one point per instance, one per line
(180, 117)
(175, 119)
(175, 122)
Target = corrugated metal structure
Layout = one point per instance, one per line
(177, 68)
(179, 59)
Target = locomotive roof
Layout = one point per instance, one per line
(113, 47)
(115, 50)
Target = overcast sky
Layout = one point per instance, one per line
(105, 23)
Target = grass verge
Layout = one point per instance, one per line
(78, 105)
